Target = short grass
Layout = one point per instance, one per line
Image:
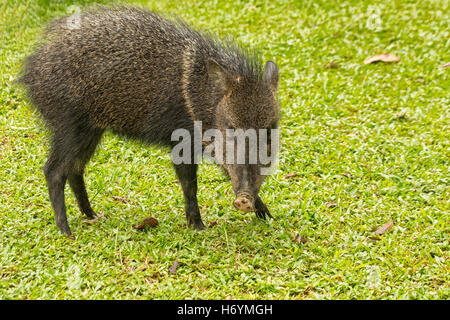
(373, 139)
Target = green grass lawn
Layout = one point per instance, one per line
(368, 143)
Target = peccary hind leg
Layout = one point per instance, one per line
(75, 176)
(78, 187)
(68, 156)
(55, 174)
(187, 174)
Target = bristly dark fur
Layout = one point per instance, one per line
(243, 61)
(143, 76)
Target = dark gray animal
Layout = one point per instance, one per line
(142, 76)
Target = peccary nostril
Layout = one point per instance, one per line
(243, 204)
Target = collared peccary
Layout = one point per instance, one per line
(136, 73)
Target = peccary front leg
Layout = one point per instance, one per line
(187, 174)
(261, 209)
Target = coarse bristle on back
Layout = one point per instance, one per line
(240, 60)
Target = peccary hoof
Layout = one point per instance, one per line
(261, 214)
(69, 236)
(198, 226)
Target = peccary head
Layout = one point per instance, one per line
(246, 116)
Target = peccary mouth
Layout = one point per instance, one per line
(244, 202)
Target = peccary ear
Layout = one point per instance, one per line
(271, 74)
(217, 75)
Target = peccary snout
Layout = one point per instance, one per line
(244, 204)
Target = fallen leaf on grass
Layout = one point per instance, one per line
(173, 268)
(385, 227)
(300, 239)
(307, 290)
(121, 199)
(153, 278)
(150, 221)
(331, 204)
(401, 116)
(213, 223)
(384, 57)
(445, 65)
(99, 216)
(347, 175)
(331, 65)
(290, 175)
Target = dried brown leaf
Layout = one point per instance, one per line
(139, 226)
(347, 175)
(307, 290)
(173, 268)
(331, 204)
(213, 223)
(401, 116)
(150, 221)
(331, 65)
(300, 239)
(385, 227)
(384, 57)
(121, 199)
(94, 220)
(290, 175)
